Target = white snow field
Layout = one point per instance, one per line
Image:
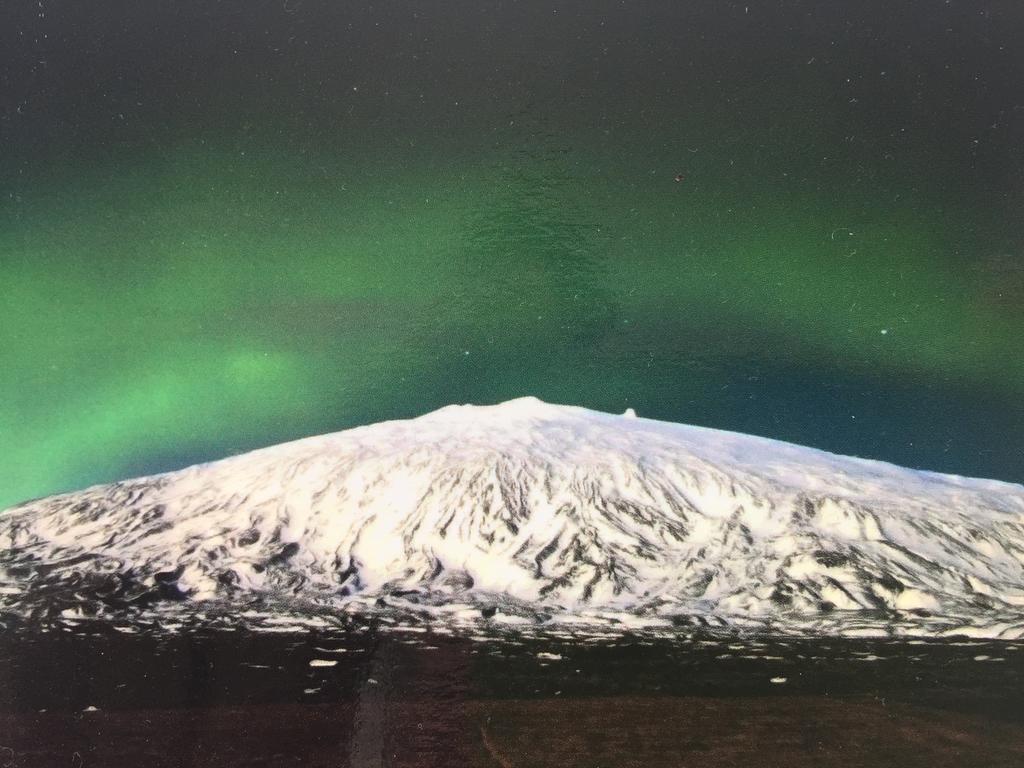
(536, 514)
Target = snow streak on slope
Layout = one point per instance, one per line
(537, 513)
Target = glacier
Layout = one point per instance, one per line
(527, 514)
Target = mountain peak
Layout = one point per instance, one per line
(517, 409)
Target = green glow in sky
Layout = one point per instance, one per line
(838, 266)
(143, 326)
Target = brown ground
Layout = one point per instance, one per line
(610, 732)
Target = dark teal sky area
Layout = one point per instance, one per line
(226, 225)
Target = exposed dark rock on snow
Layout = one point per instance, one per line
(526, 511)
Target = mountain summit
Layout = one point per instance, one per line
(536, 513)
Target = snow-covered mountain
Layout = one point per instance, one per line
(534, 512)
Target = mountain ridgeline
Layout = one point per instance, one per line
(531, 514)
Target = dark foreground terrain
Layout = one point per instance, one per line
(75, 696)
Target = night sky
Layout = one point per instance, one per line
(225, 225)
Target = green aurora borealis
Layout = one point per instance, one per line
(222, 229)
